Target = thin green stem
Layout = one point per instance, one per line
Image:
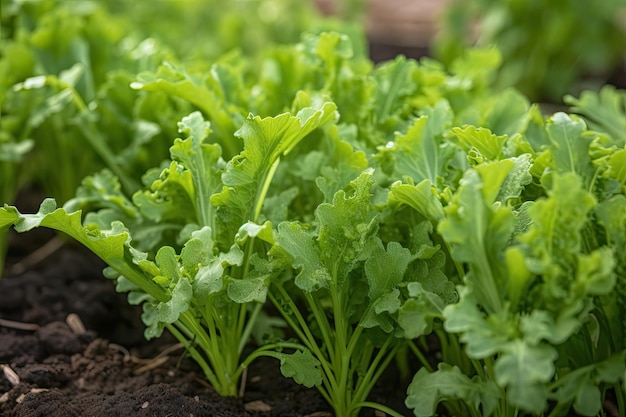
(262, 191)
(211, 348)
(247, 331)
(420, 356)
(197, 356)
(341, 359)
(377, 406)
(383, 357)
(323, 323)
(300, 327)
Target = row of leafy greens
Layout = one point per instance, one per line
(65, 69)
(376, 208)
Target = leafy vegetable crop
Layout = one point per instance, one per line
(377, 208)
(583, 48)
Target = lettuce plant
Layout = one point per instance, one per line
(208, 293)
(377, 208)
(538, 327)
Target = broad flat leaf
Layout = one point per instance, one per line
(170, 311)
(420, 153)
(167, 262)
(340, 165)
(302, 367)
(393, 82)
(385, 269)
(524, 369)
(588, 400)
(8, 216)
(421, 197)
(508, 113)
(381, 311)
(427, 390)
(483, 335)
(581, 387)
(305, 253)
(346, 226)
(478, 231)
(518, 177)
(248, 290)
(416, 315)
(209, 280)
(569, 145)
(488, 144)
(197, 250)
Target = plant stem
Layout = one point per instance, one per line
(376, 406)
(197, 357)
(245, 334)
(420, 356)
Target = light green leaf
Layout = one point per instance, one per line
(209, 280)
(478, 230)
(421, 197)
(248, 175)
(179, 302)
(588, 400)
(171, 197)
(427, 390)
(420, 153)
(416, 315)
(604, 110)
(483, 335)
(8, 216)
(523, 369)
(301, 246)
(617, 166)
(570, 146)
(518, 177)
(248, 290)
(202, 161)
(488, 144)
(175, 81)
(385, 269)
(393, 83)
(302, 366)
(197, 250)
(167, 262)
(553, 244)
(346, 226)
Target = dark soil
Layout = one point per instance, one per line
(52, 368)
